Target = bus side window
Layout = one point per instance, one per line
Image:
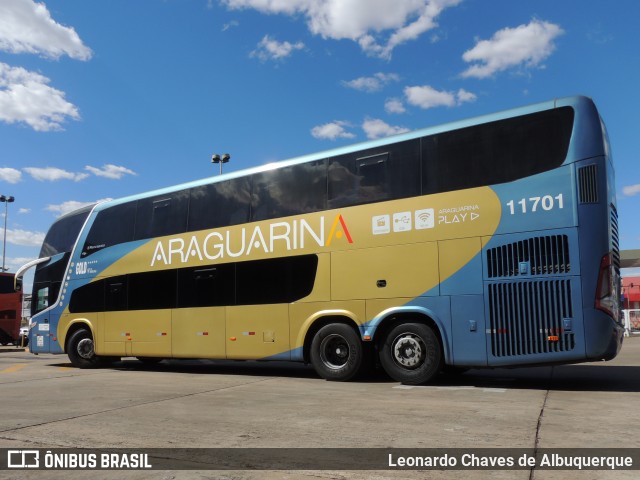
(116, 294)
(206, 287)
(293, 190)
(162, 215)
(42, 299)
(374, 175)
(219, 204)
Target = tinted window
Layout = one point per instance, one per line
(62, 235)
(152, 290)
(6, 284)
(112, 226)
(211, 286)
(52, 273)
(88, 298)
(115, 293)
(162, 215)
(289, 191)
(496, 152)
(278, 280)
(219, 204)
(385, 173)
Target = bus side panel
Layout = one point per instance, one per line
(258, 331)
(145, 332)
(598, 237)
(467, 302)
(468, 330)
(199, 332)
(385, 272)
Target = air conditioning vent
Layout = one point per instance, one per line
(587, 184)
(615, 241)
(542, 255)
(528, 318)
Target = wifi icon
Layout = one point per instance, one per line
(424, 219)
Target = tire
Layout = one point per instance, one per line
(81, 351)
(337, 352)
(411, 353)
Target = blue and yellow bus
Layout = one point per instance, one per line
(487, 242)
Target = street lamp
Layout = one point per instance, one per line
(215, 158)
(6, 200)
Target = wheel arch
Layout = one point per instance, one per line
(73, 327)
(319, 320)
(385, 321)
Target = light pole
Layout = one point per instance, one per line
(6, 200)
(215, 158)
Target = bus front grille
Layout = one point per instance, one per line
(530, 317)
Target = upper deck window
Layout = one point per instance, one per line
(62, 235)
(496, 152)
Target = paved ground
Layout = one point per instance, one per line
(45, 403)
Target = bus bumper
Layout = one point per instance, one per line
(603, 336)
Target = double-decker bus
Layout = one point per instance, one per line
(482, 243)
(10, 308)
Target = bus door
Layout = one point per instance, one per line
(130, 329)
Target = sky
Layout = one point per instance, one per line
(103, 99)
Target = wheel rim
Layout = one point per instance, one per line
(334, 351)
(85, 348)
(409, 351)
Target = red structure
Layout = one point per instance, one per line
(10, 309)
(631, 292)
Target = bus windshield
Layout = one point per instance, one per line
(63, 233)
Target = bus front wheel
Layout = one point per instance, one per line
(411, 353)
(337, 352)
(81, 350)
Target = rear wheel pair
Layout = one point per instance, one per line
(410, 353)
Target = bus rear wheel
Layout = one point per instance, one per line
(81, 351)
(337, 352)
(411, 353)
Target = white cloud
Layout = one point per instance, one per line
(364, 21)
(71, 205)
(376, 128)
(24, 210)
(10, 175)
(16, 262)
(26, 97)
(25, 238)
(27, 27)
(394, 105)
(331, 131)
(271, 49)
(527, 45)
(462, 96)
(631, 190)
(114, 172)
(231, 24)
(375, 83)
(426, 97)
(53, 174)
